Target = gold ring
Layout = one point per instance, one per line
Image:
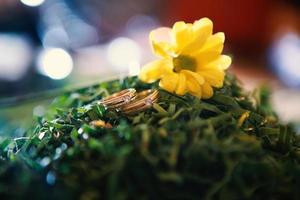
(119, 99)
(144, 100)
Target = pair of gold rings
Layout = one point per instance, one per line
(130, 102)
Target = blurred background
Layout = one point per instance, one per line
(50, 45)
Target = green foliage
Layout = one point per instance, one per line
(228, 147)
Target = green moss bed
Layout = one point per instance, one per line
(182, 148)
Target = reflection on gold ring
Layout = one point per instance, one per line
(118, 99)
(143, 101)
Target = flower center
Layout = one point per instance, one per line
(184, 62)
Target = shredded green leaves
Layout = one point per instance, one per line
(231, 146)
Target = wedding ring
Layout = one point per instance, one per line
(144, 100)
(119, 99)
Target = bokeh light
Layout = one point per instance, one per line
(32, 3)
(13, 69)
(285, 58)
(123, 51)
(55, 63)
(62, 27)
(55, 37)
(134, 68)
(140, 22)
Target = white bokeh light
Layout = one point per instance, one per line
(32, 3)
(55, 63)
(123, 51)
(12, 69)
(285, 57)
(134, 68)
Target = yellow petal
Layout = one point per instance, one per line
(204, 58)
(160, 40)
(213, 76)
(202, 29)
(207, 91)
(181, 86)
(192, 75)
(197, 94)
(162, 49)
(212, 48)
(192, 86)
(203, 25)
(182, 35)
(221, 63)
(193, 82)
(169, 82)
(224, 62)
(155, 70)
(215, 42)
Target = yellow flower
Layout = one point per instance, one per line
(190, 59)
